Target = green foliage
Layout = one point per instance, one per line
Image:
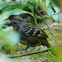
(24, 1)
(4, 15)
(56, 8)
(56, 18)
(48, 57)
(9, 38)
(54, 50)
(6, 4)
(52, 11)
(21, 4)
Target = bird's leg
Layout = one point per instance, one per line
(25, 48)
(35, 46)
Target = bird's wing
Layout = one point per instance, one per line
(33, 31)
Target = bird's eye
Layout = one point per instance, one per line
(15, 23)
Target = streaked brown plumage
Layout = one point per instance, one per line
(30, 35)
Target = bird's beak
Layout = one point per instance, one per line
(8, 23)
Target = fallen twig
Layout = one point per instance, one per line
(43, 20)
(31, 53)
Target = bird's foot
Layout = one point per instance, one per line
(25, 48)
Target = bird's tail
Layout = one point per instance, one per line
(45, 42)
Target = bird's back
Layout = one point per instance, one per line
(32, 35)
(29, 34)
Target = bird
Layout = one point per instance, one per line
(30, 35)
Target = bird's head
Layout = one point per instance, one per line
(16, 24)
(13, 23)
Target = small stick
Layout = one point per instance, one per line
(43, 20)
(26, 54)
